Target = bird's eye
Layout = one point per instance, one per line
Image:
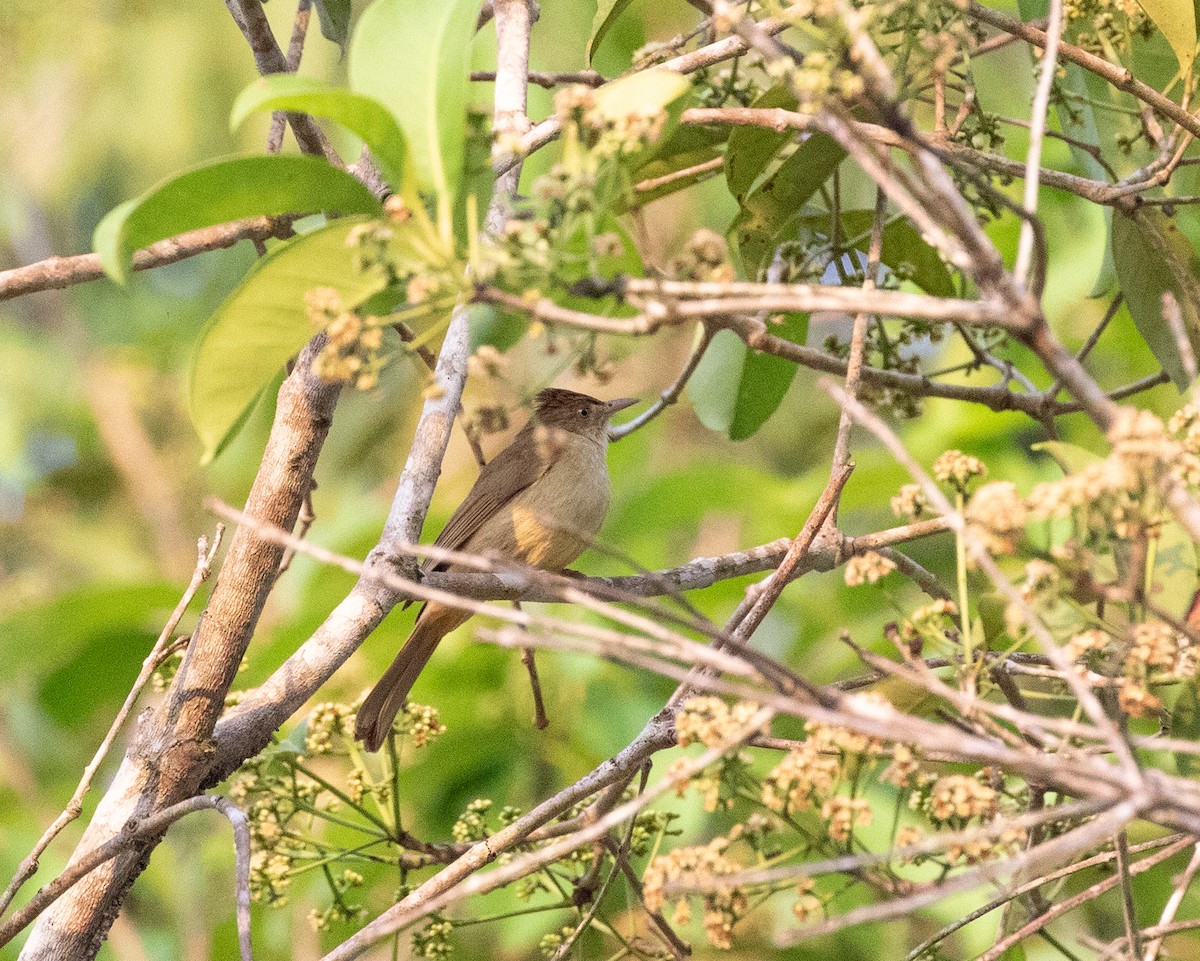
(583, 412)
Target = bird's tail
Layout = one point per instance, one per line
(379, 710)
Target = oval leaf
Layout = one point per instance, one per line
(223, 191)
(1177, 21)
(264, 322)
(414, 57)
(359, 114)
(751, 149)
(1152, 257)
(607, 12)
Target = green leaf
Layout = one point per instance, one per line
(1070, 457)
(765, 380)
(359, 114)
(1177, 21)
(264, 322)
(1152, 257)
(499, 329)
(903, 247)
(334, 16)
(607, 12)
(735, 390)
(414, 57)
(751, 149)
(217, 193)
(1185, 723)
(686, 147)
(770, 206)
(713, 388)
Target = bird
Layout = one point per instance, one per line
(539, 502)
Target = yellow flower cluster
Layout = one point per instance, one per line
(705, 256)
(958, 469)
(722, 908)
(910, 501)
(957, 798)
(710, 721)
(352, 351)
(638, 127)
(868, 568)
(842, 815)
(997, 514)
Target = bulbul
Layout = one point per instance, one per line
(539, 502)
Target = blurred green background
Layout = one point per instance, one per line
(100, 486)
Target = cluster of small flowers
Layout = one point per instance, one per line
(955, 799)
(340, 911)
(1151, 645)
(370, 243)
(822, 75)
(997, 515)
(910, 502)
(842, 815)
(1111, 495)
(420, 724)
(807, 904)
(472, 823)
(722, 908)
(432, 941)
(1102, 26)
(868, 568)
(710, 721)
(731, 82)
(705, 256)
(352, 352)
(165, 673)
(1005, 844)
(606, 133)
(958, 469)
(810, 773)
(325, 722)
(550, 943)
(270, 877)
(929, 621)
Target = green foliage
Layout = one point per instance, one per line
(1153, 258)
(357, 113)
(607, 12)
(215, 193)
(428, 97)
(265, 321)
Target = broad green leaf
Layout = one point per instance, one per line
(1071, 458)
(1185, 723)
(499, 329)
(767, 208)
(735, 390)
(751, 149)
(359, 114)
(226, 190)
(713, 388)
(644, 92)
(765, 380)
(607, 12)
(414, 57)
(1177, 21)
(264, 322)
(686, 147)
(1153, 257)
(334, 16)
(903, 248)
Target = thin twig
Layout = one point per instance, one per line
(205, 554)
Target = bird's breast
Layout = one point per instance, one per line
(553, 521)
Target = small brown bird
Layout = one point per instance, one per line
(538, 503)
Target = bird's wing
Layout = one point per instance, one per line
(512, 470)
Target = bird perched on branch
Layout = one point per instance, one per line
(539, 502)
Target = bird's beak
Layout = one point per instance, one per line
(621, 403)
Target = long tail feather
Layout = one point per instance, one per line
(379, 710)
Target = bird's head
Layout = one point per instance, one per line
(578, 413)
